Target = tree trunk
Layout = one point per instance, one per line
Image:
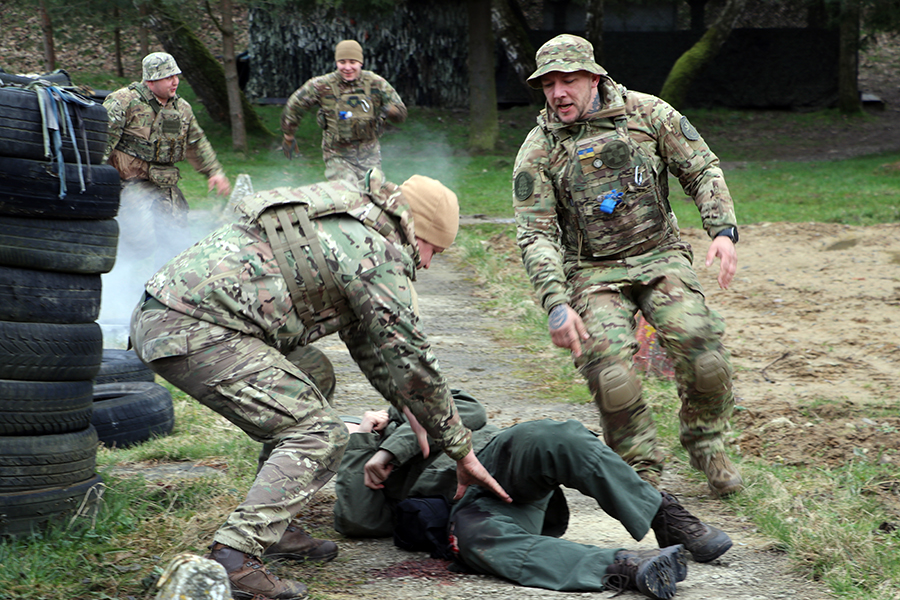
(484, 127)
(143, 36)
(692, 62)
(238, 132)
(47, 29)
(198, 66)
(848, 60)
(117, 41)
(593, 27)
(510, 30)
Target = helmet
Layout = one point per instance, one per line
(565, 53)
(159, 65)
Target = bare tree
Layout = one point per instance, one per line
(47, 29)
(593, 27)
(848, 60)
(689, 64)
(235, 110)
(484, 127)
(510, 29)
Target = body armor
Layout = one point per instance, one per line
(168, 135)
(350, 116)
(618, 202)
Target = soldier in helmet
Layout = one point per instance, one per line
(298, 264)
(353, 106)
(600, 242)
(151, 129)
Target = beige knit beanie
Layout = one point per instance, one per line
(348, 50)
(435, 210)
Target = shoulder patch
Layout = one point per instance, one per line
(523, 185)
(688, 130)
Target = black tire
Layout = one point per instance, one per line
(57, 77)
(30, 188)
(87, 247)
(44, 407)
(32, 296)
(122, 366)
(50, 351)
(130, 413)
(43, 461)
(24, 513)
(21, 128)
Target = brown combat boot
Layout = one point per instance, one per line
(673, 524)
(250, 578)
(653, 573)
(298, 545)
(723, 477)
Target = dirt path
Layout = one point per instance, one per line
(460, 331)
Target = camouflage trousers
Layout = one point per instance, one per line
(151, 221)
(662, 285)
(260, 391)
(350, 160)
(520, 541)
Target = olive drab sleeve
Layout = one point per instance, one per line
(688, 157)
(116, 105)
(537, 227)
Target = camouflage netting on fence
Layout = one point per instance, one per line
(428, 69)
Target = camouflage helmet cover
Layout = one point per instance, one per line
(565, 53)
(159, 65)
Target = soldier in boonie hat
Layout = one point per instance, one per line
(565, 53)
(159, 65)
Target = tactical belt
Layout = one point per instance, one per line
(317, 303)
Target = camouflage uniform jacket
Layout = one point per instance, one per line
(233, 278)
(598, 189)
(349, 111)
(143, 133)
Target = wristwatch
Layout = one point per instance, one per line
(731, 233)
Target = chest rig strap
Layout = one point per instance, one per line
(313, 302)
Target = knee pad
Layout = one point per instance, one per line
(712, 372)
(619, 388)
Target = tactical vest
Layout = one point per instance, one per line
(168, 134)
(350, 116)
(285, 215)
(618, 202)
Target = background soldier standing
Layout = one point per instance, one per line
(600, 242)
(298, 264)
(353, 106)
(150, 129)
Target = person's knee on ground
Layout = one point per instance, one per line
(628, 426)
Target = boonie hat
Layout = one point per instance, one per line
(565, 53)
(159, 65)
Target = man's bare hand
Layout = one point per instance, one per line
(220, 182)
(289, 147)
(470, 471)
(373, 420)
(377, 469)
(567, 330)
(723, 248)
(421, 434)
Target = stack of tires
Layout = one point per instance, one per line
(58, 235)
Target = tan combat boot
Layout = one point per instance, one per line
(723, 477)
(298, 545)
(250, 578)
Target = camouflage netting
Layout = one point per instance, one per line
(420, 48)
